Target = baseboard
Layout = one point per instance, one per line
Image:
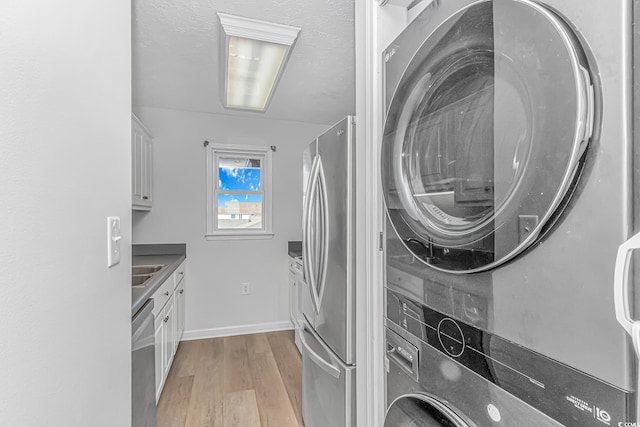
(228, 331)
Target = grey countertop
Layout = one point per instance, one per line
(170, 261)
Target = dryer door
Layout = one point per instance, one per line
(486, 134)
(421, 411)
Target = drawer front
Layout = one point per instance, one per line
(178, 275)
(325, 376)
(161, 296)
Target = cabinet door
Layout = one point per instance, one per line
(169, 334)
(293, 299)
(137, 165)
(141, 166)
(180, 312)
(158, 324)
(147, 179)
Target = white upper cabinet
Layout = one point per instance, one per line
(142, 166)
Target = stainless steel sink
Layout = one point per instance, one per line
(141, 274)
(140, 280)
(145, 269)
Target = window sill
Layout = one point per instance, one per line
(262, 235)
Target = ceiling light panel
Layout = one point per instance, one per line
(255, 53)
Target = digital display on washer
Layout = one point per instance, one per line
(563, 393)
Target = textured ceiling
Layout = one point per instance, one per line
(176, 58)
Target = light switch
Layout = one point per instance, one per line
(113, 240)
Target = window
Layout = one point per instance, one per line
(238, 192)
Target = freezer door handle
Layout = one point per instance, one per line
(621, 290)
(326, 366)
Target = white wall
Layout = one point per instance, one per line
(215, 269)
(64, 167)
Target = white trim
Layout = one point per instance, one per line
(237, 236)
(239, 26)
(228, 331)
(265, 154)
(370, 361)
(144, 128)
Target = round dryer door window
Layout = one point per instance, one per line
(421, 411)
(486, 134)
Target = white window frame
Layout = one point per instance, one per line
(214, 152)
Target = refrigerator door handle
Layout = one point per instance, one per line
(324, 254)
(326, 366)
(308, 266)
(305, 236)
(621, 291)
(305, 225)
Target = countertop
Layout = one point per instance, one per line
(154, 255)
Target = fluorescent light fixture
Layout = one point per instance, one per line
(254, 55)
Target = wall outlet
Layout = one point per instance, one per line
(245, 289)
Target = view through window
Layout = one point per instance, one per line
(238, 191)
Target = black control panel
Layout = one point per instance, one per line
(565, 394)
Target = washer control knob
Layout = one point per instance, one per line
(451, 337)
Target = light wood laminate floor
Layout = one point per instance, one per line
(241, 381)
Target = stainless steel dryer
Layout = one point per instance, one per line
(506, 165)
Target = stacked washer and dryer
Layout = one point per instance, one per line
(507, 165)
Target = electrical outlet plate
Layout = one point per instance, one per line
(113, 240)
(245, 289)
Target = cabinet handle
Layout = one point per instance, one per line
(145, 197)
(182, 291)
(166, 319)
(166, 294)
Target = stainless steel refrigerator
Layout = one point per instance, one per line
(328, 243)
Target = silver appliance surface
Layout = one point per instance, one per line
(327, 295)
(506, 166)
(143, 380)
(328, 385)
(427, 386)
(480, 368)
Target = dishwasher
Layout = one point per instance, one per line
(143, 376)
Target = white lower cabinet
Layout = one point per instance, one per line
(169, 335)
(159, 323)
(293, 294)
(169, 324)
(165, 343)
(180, 306)
(295, 290)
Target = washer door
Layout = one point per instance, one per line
(486, 134)
(421, 411)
